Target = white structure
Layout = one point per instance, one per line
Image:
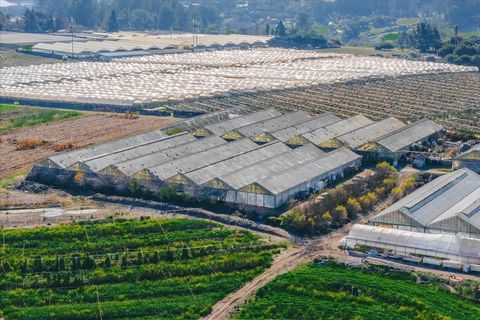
(434, 249)
(176, 77)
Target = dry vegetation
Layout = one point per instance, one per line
(452, 99)
(12, 59)
(24, 147)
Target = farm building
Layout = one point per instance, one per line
(449, 204)
(469, 159)
(434, 249)
(240, 171)
(239, 157)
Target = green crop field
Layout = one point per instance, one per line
(336, 292)
(14, 117)
(126, 269)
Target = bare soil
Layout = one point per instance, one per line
(80, 132)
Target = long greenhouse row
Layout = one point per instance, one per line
(262, 158)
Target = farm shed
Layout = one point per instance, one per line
(221, 128)
(448, 204)
(469, 159)
(326, 137)
(290, 135)
(404, 243)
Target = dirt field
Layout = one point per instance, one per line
(12, 59)
(80, 132)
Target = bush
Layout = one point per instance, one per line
(339, 214)
(384, 46)
(446, 50)
(353, 208)
(29, 144)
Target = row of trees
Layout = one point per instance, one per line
(52, 15)
(341, 204)
(461, 51)
(425, 37)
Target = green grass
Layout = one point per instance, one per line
(408, 21)
(390, 36)
(14, 117)
(325, 292)
(136, 269)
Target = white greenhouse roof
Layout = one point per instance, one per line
(436, 244)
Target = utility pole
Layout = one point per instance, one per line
(71, 30)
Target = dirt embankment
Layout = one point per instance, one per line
(80, 132)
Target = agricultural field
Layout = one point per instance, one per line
(451, 99)
(13, 59)
(155, 79)
(336, 292)
(29, 134)
(126, 269)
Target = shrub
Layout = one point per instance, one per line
(65, 146)
(339, 214)
(353, 208)
(29, 144)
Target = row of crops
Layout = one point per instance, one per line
(337, 292)
(450, 98)
(135, 269)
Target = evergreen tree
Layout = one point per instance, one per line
(124, 261)
(280, 31)
(155, 257)
(267, 29)
(30, 21)
(112, 25)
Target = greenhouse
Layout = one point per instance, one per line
(444, 249)
(449, 204)
(145, 80)
(469, 159)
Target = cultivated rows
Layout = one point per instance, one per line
(452, 98)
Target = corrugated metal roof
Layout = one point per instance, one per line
(273, 124)
(272, 166)
(232, 124)
(201, 159)
(216, 170)
(318, 121)
(371, 132)
(306, 172)
(135, 165)
(68, 158)
(336, 129)
(449, 195)
(98, 163)
(408, 135)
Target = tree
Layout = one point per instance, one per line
(353, 208)
(30, 21)
(301, 22)
(426, 37)
(166, 18)
(112, 24)
(267, 29)
(280, 30)
(339, 214)
(75, 262)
